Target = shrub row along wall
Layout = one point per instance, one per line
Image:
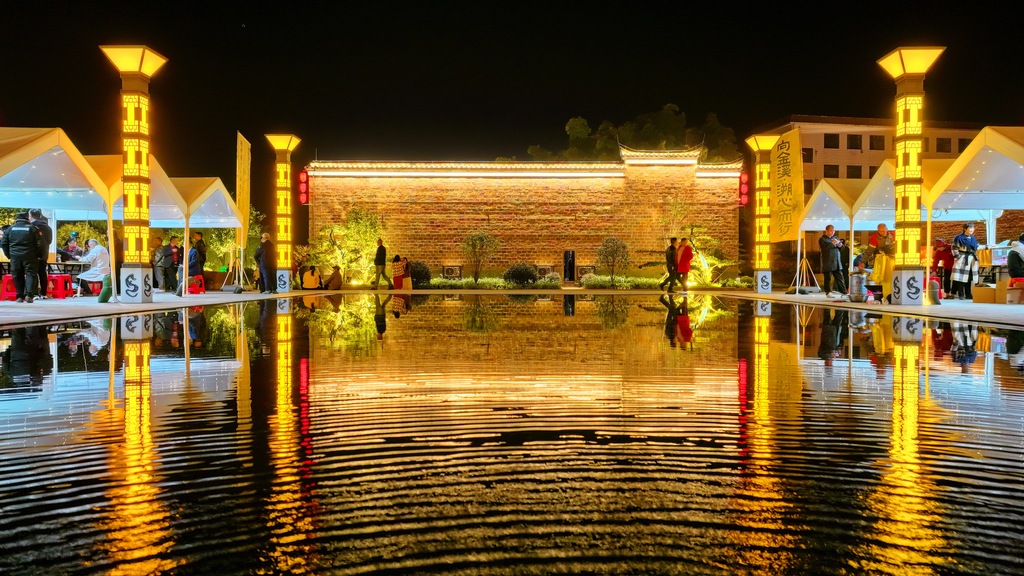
(535, 217)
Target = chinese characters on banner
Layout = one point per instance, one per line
(787, 195)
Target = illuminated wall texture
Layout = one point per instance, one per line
(536, 214)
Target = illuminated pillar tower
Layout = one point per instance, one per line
(136, 64)
(283, 144)
(762, 145)
(908, 66)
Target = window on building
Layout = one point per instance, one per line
(853, 171)
(808, 154)
(854, 142)
(944, 145)
(808, 186)
(832, 141)
(876, 142)
(962, 144)
(871, 171)
(831, 171)
(924, 145)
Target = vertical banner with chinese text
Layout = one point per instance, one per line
(787, 195)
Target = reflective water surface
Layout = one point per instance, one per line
(511, 435)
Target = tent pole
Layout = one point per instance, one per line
(929, 257)
(990, 228)
(799, 260)
(113, 259)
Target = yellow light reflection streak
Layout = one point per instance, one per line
(905, 500)
(138, 524)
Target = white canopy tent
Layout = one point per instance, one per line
(987, 177)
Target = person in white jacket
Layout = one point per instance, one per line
(99, 264)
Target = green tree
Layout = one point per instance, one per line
(85, 231)
(350, 245)
(719, 142)
(477, 248)
(613, 255)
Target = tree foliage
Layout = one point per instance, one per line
(350, 245)
(477, 248)
(613, 255)
(663, 129)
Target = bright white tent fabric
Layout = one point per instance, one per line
(988, 176)
(42, 168)
(208, 203)
(832, 203)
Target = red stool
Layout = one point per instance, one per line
(7, 290)
(59, 286)
(198, 286)
(1016, 282)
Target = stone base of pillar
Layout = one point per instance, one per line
(136, 283)
(284, 280)
(763, 281)
(907, 329)
(284, 305)
(908, 287)
(137, 327)
(762, 309)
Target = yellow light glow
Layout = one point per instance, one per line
(285, 142)
(464, 174)
(762, 142)
(910, 60)
(134, 59)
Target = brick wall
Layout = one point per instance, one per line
(535, 219)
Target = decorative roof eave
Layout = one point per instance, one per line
(365, 169)
(631, 156)
(720, 169)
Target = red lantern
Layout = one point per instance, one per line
(303, 187)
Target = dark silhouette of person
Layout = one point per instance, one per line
(671, 317)
(380, 316)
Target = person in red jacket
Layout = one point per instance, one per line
(685, 254)
(942, 263)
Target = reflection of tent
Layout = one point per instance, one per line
(988, 176)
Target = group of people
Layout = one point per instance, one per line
(168, 263)
(677, 264)
(955, 264)
(26, 244)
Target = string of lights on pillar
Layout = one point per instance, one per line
(283, 145)
(136, 64)
(762, 145)
(908, 66)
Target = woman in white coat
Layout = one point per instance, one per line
(99, 264)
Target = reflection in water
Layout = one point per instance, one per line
(511, 435)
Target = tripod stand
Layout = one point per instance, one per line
(801, 283)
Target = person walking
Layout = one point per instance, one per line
(671, 265)
(406, 273)
(266, 260)
(380, 261)
(830, 267)
(39, 222)
(23, 244)
(685, 252)
(965, 262)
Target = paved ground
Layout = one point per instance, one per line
(46, 311)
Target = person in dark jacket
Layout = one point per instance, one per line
(671, 266)
(380, 261)
(266, 260)
(195, 268)
(166, 263)
(199, 244)
(35, 216)
(23, 244)
(1015, 259)
(830, 267)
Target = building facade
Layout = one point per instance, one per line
(536, 210)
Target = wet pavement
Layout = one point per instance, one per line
(511, 434)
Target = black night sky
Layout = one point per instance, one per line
(380, 80)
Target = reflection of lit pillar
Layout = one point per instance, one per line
(908, 67)
(137, 64)
(138, 527)
(762, 145)
(283, 145)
